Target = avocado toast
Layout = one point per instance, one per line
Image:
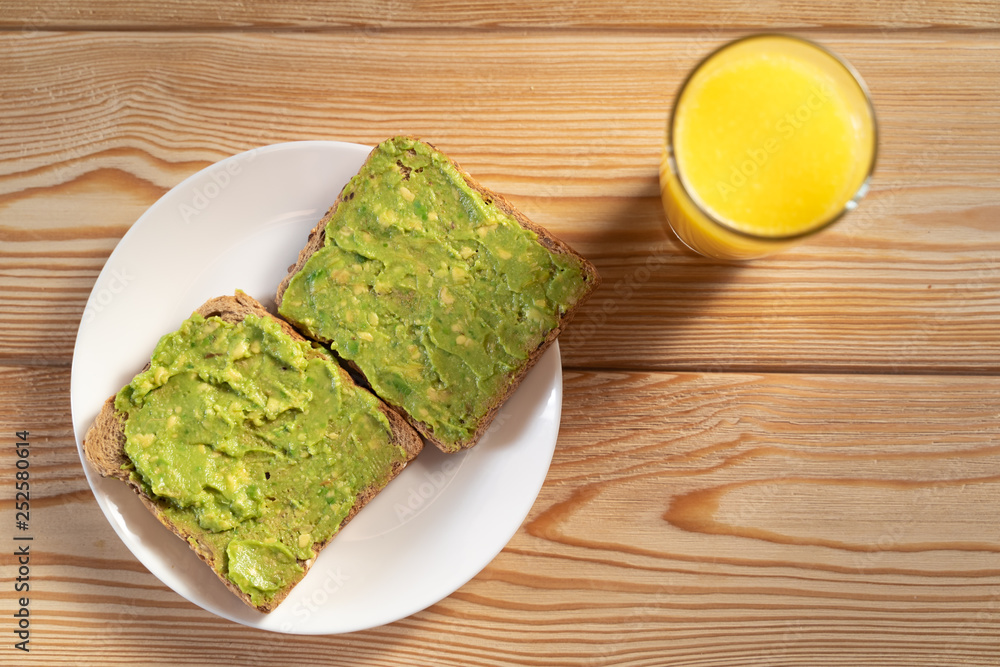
(250, 443)
(437, 290)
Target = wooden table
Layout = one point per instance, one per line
(790, 462)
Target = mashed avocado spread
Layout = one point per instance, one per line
(254, 443)
(430, 289)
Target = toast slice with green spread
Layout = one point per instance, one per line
(437, 290)
(250, 443)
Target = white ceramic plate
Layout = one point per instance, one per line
(239, 224)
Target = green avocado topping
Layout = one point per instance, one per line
(254, 443)
(432, 291)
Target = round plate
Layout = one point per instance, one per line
(240, 224)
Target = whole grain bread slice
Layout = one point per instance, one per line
(104, 448)
(316, 241)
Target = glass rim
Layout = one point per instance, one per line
(848, 206)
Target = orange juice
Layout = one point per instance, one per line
(772, 138)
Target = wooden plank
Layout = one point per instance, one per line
(648, 14)
(724, 519)
(568, 125)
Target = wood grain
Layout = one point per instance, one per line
(568, 124)
(647, 14)
(687, 519)
(790, 462)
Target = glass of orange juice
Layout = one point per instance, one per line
(771, 139)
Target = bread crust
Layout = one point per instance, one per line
(104, 448)
(316, 240)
